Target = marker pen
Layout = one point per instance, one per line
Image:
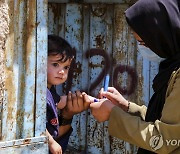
(106, 82)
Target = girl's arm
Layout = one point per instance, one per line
(54, 147)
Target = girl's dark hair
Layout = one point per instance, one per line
(57, 45)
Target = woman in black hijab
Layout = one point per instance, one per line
(156, 128)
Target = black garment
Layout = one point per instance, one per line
(157, 22)
(160, 84)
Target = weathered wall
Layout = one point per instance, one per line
(4, 30)
(23, 49)
(103, 43)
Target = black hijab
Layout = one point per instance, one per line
(157, 22)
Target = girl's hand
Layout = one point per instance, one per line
(55, 148)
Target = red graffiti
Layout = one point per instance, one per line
(120, 69)
(107, 68)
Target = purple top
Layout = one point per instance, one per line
(52, 123)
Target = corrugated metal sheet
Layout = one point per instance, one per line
(4, 30)
(35, 145)
(104, 43)
(41, 65)
(24, 104)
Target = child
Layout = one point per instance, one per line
(58, 128)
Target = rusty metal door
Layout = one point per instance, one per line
(23, 110)
(104, 44)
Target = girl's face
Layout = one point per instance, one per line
(57, 72)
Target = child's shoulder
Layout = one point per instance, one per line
(54, 94)
(49, 96)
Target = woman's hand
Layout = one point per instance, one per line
(101, 110)
(115, 97)
(62, 103)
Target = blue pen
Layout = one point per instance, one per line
(106, 82)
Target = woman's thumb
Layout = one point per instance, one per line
(62, 103)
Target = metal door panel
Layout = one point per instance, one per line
(104, 43)
(24, 102)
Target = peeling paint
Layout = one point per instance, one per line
(18, 119)
(104, 44)
(4, 30)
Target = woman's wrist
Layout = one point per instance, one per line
(65, 119)
(125, 105)
(66, 115)
(127, 109)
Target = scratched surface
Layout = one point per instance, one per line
(20, 71)
(35, 145)
(4, 30)
(24, 104)
(104, 44)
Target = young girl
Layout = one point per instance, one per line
(58, 127)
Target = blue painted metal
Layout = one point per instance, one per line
(29, 62)
(41, 65)
(35, 145)
(88, 25)
(24, 104)
(101, 26)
